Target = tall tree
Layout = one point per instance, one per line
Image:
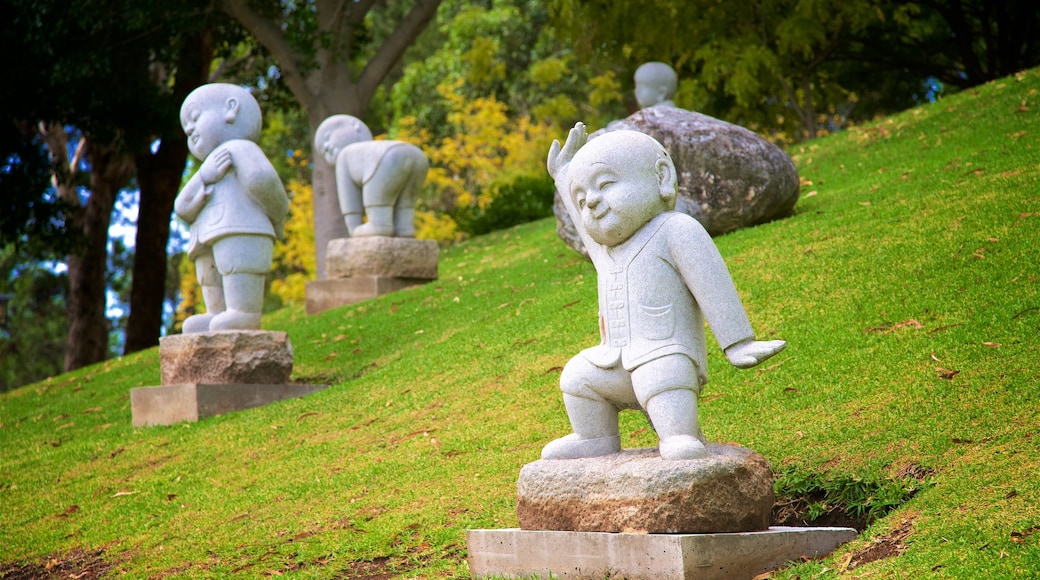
(332, 63)
(103, 71)
(159, 176)
(756, 62)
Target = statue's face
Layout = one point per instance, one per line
(329, 148)
(205, 125)
(346, 131)
(648, 94)
(615, 194)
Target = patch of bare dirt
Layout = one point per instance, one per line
(78, 564)
(887, 546)
(795, 512)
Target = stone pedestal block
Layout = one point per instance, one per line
(513, 553)
(365, 267)
(171, 404)
(226, 357)
(730, 490)
(382, 256)
(323, 295)
(212, 373)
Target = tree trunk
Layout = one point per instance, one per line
(88, 328)
(159, 177)
(329, 87)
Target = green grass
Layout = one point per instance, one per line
(906, 285)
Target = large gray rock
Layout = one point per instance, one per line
(226, 357)
(729, 177)
(635, 491)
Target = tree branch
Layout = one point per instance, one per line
(394, 46)
(270, 35)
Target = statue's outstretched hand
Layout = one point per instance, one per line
(748, 353)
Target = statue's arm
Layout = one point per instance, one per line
(192, 199)
(349, 192)
(706, 275)
(259, 178)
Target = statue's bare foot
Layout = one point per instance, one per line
(574, 447)
(370, 229)
(235, 320)
(678, 447)
(197, 323)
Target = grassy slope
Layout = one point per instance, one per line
(912, 255)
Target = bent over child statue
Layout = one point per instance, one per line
(660, 277)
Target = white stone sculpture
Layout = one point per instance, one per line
(659, 277)
(655, 85)
(379, 180)
(235, 203)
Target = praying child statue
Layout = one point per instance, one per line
(235, 203)
(659, 277)
(379, 180)
(655, 85)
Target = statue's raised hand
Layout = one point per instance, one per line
(748, 353)
(216, 166)
(559, 157)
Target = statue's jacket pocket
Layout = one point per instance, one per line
(654, 322)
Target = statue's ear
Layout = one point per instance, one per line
(667, 180)
(230, 110)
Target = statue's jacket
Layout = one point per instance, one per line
(249, 199)
(655, 291)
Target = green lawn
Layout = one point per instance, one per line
(907, 285)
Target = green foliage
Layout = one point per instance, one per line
(906, 285)
(859, 498)
(295, 260)
(516, 199)
(506, 50)
(795, 69)
(32, 345)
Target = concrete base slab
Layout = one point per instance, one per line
(323, 295)
(516, 553)
(170, 404)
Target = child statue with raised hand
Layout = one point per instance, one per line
(235, 203)
(659, 277)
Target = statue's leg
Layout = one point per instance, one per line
(382, 191)
(212, 293)
(380, 222)
(593, 396)
(404, 210)
(667, 389)
(243, 262)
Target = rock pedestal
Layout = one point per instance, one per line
(211, 373)
(635, 491)
(729, 177)
(365, 267)
(634, 515)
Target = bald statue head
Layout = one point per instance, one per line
(655, 84)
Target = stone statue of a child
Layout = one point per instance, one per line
(378, 179)
(235, 203)
(659, 276)
(655, 85)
